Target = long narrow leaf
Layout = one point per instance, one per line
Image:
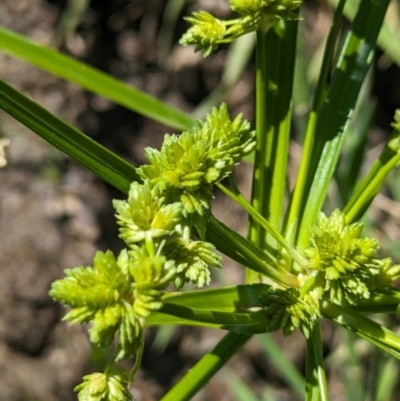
(248, 323)
(227, 299)
(239, 389)
(339, 104)
(299, 196)
(274, 83)
(387, 40)
(373, 181)
(373, 332)
(63, 136)
(92, 79)
(206, 368)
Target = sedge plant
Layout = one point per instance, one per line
(302, 265)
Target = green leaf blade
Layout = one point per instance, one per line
(334, 118)
(107, 165)
(93, 80)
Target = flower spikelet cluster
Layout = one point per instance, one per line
(286, 310)
(207, 32)
(109, 386)
(192, 260)
(145, 214)
(347, 260)
(102, 295)
(202, 22)
(117, 295)
(187, 166)
(151, 274)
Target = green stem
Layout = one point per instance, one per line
(265, 224)
(255, 230)
(206, 368)
(387, 301)
(312, 388)
(316, 386)
(255, 262)
(361, 325)
(275, 61)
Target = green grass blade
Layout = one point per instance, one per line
(161, 319)
(387, 381)
(274, 84)
(354, 147)
(70, 18)
(287, 370)
(387, 40)
(244, 323)
(239, 389)
(339, 104)
(298, 197)
(225, 299)
(241, 322)
(206, 368)
(373, 181)
(366, 328)
(351, 372)
(275, 60)
(92, 79)
(224, 308)
(63, 136)
(169, 20)
(162, 338)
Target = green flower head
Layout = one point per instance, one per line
(145, 214)
(337, 248)
(276, 8)
(152, 274)
(287, 311)
(187, 166)
(206, 33)
(109, 386)
(102, 294)
(192, 260)
(244, 7)
(347, 260)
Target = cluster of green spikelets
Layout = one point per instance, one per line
(157, 223)
(163, 214)
(207, 31)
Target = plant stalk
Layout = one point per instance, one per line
(206, 368)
